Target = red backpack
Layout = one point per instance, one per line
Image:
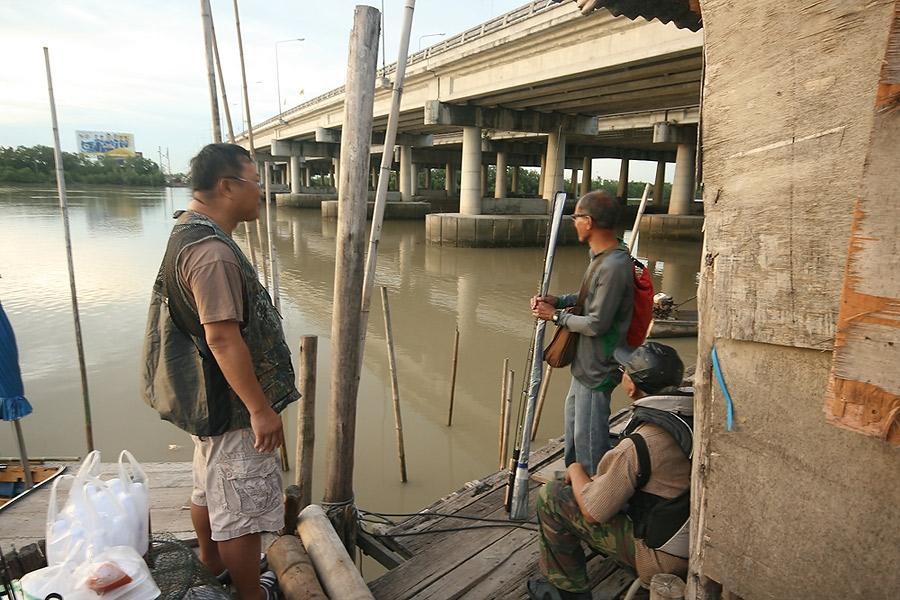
(643, 305)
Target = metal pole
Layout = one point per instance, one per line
(519, 499)
(64, 208)
(384, 175)
(395, 386)
(23, 454)
(210, 71)
(356, 139)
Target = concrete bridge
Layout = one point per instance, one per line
(540, 86)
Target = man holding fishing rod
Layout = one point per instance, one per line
(216, 365)
(601, 322)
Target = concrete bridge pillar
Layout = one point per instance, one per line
(514, 184)
(574, 183)
(406, 174)
(500, 180)
(336, 169)
(586, 175)
(450, 180)
(414, 179)
(556, 160)
(296, 175)
(541, 173)
(484, 180)
(428, 178)
(683, 184)
(307, 177)
(622, 193)
(659, 185)
(470, 176)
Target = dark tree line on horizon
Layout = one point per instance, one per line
(35, 164)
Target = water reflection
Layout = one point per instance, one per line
(118, 241)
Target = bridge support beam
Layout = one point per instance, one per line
(428, 178)
(660, 183)
(683, 184)
(450, 180)
(500, 179)
(622, 192)
(574, 183)
(586, 164)
(296, 174)
(542, 172)
(470, 175)
(336, 173)
(556, 160)
(406, 173)
(514, 183)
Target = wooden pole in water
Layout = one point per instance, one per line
(348, 272)
(259, 232)
(381, 188)
(215, 45)
(273, 260)
(542, 394)
(502, 412)
(507, 414)
(453, 376)
(252, 148)
(64, 208)
(210, 71)
(395, 387)
(632, 241)
(306, 418)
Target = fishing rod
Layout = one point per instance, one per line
(518, 498)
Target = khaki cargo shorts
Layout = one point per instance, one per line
(240, 487)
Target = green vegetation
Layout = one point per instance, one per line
(36, 165)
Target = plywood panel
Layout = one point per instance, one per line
(787, 121)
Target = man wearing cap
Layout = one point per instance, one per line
(613, 512)
(602, 327)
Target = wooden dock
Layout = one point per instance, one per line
(170, 495)
(477, 562)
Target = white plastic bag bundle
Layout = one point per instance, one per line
(99, 514)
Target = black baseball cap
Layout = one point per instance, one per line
(652, 367)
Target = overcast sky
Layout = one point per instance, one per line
(138, 66)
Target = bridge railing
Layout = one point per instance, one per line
(512, 17)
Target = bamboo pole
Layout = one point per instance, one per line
(306, 418)
(262, 243)
(507, 415)
(334, 567)
(210, 71)
(632, 241)
(502, 412)
(64, 208)
(545, 383)
(273, 260)
(348, 271)
(215, 46)
(384, 176)
(395, 387)
(453, 376)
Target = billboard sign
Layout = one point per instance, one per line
(106, 143)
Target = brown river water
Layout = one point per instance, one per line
(118, 238)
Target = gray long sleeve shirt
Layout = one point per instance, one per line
(603, 327)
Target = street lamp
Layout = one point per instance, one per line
(278, 71)
(422, 37)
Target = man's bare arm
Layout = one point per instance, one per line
(233, 357)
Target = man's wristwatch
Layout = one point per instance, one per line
(556, 315)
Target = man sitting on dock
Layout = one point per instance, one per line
(608, 284)
(636, 508)
(216, 365)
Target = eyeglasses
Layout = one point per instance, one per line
(580, 216)
(256, 183)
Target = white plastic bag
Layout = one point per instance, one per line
(121, 559)
(99, 513)
(55, 579)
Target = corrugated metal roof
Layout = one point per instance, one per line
(683, 13)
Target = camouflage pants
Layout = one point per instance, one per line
(564, 528)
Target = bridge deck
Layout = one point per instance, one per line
(477, 562)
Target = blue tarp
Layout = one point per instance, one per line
(13, 404)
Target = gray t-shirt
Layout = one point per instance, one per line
(607, 315)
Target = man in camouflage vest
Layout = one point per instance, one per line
(216, 365)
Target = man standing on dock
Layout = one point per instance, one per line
(216, 365)
(608, 292)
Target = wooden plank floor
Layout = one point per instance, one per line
(170, 496)
(477, 562)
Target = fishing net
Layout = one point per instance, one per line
(179, 573)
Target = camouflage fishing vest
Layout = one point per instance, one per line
(181, 378)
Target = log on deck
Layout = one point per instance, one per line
(477, 562)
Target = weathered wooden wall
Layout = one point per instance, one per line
(787, 505)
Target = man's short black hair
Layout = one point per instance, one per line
(214, 162)
(603, 209)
